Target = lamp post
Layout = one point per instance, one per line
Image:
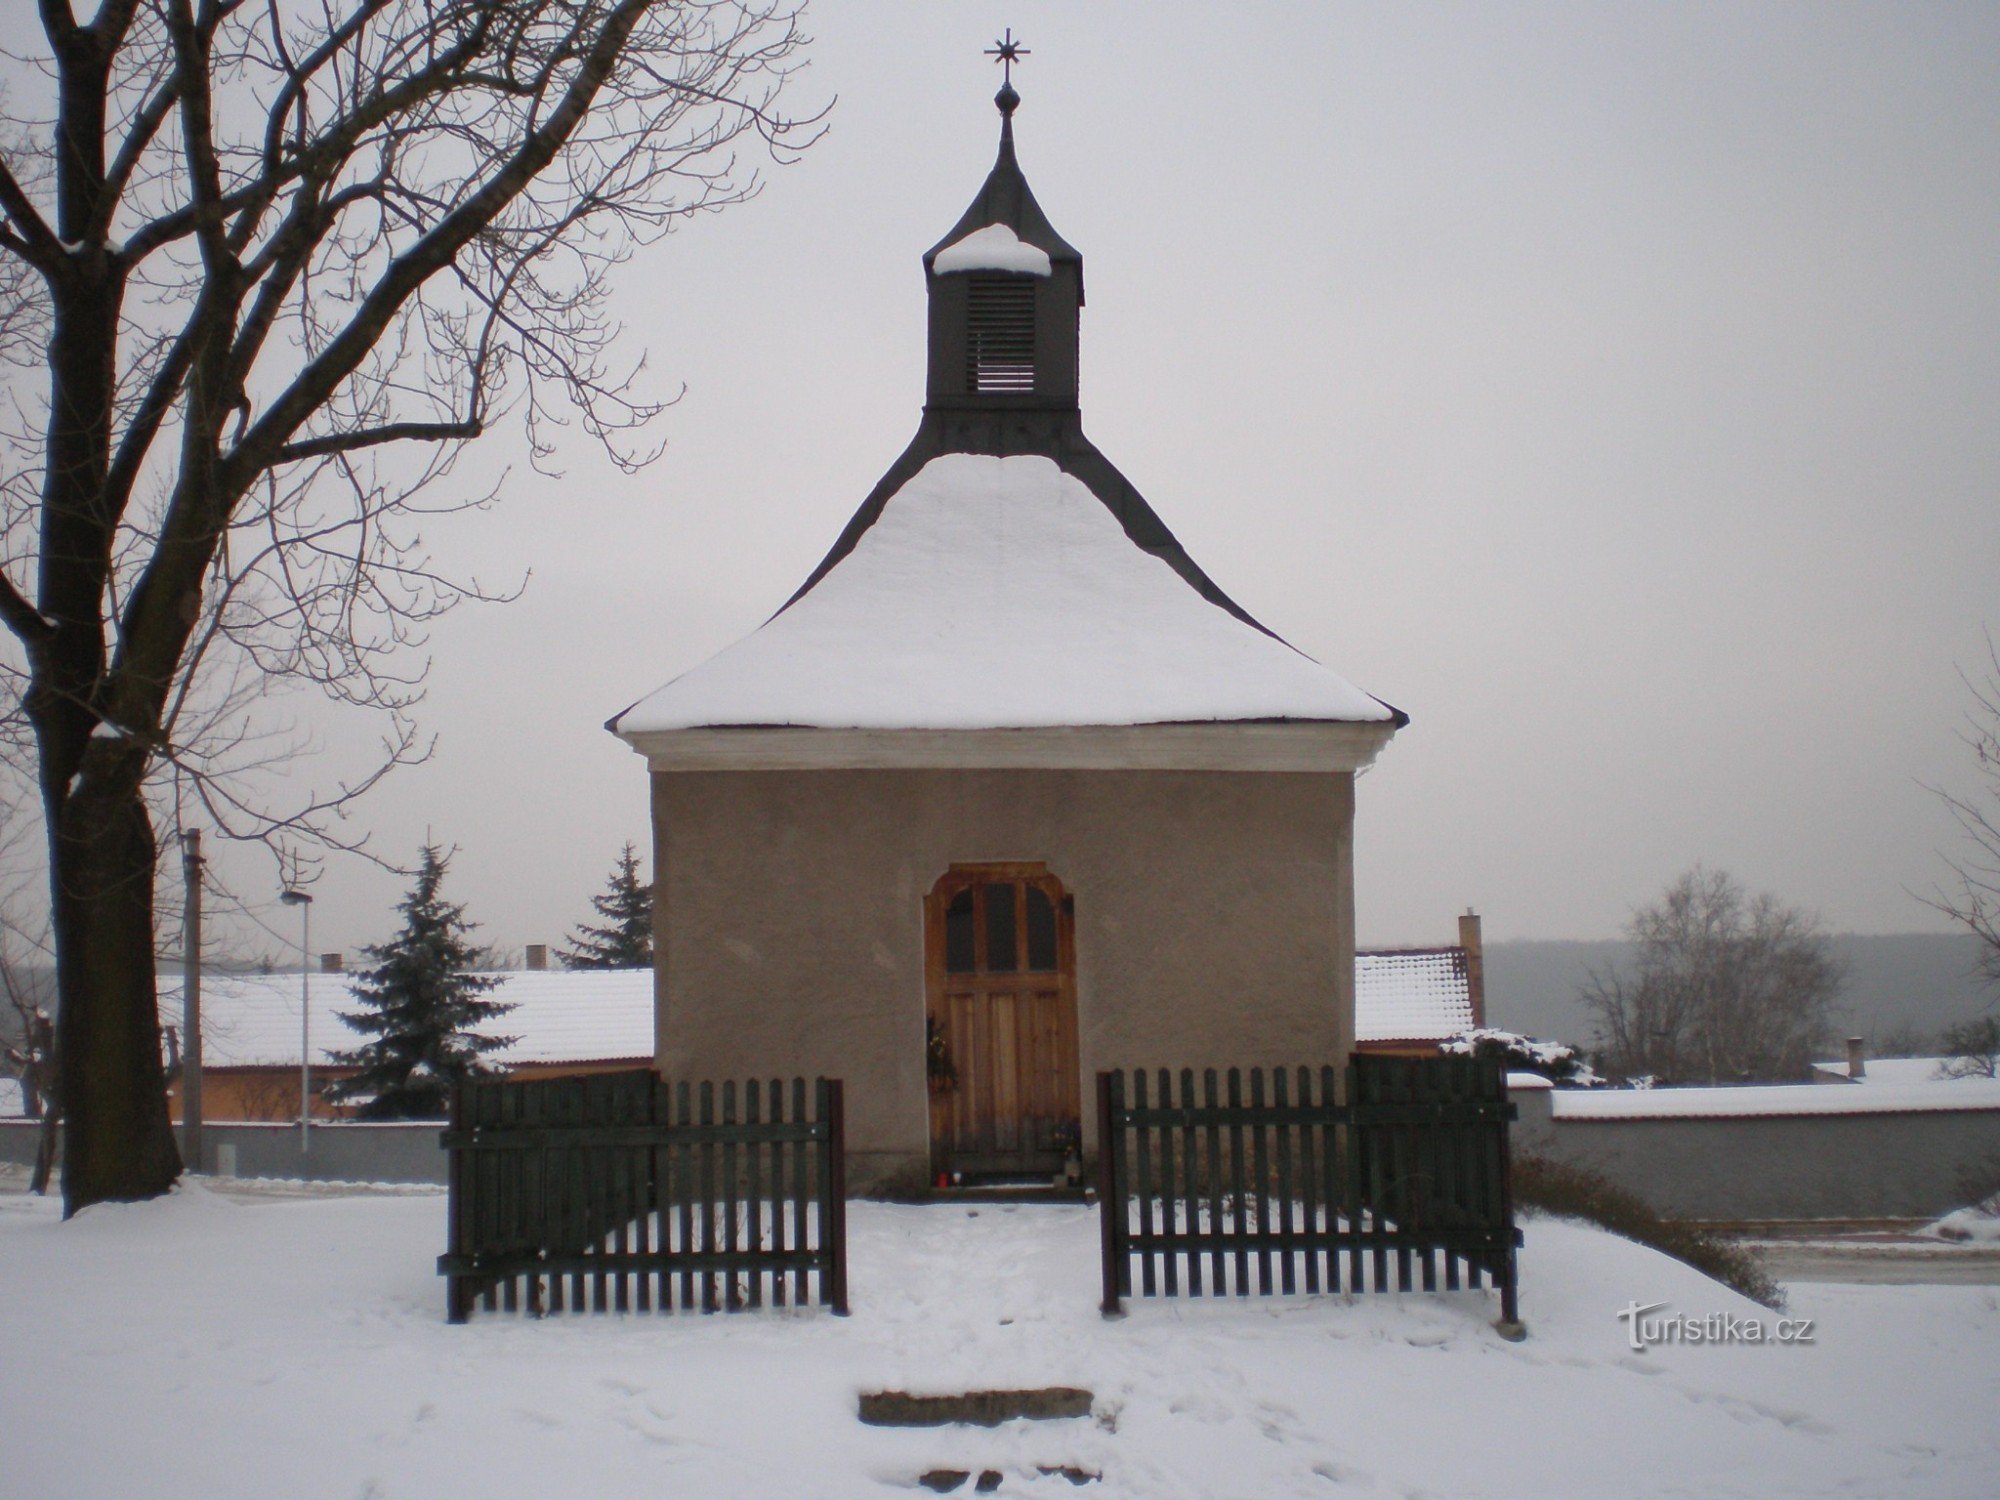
(294, 897)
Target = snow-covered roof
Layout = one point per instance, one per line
(994, 248)
(1411, 994)
(1000, 593)
(252, 1020)
(597, 1015)
(1772, 1099)
(1893, 1070)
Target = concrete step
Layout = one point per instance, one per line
(974, 1408)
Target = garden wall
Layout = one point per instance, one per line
(1870, 1163)
(1863, 1162)
(345, 1152)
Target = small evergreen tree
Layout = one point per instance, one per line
(626, 941)
(421, 1006)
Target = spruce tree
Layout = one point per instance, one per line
(422, 1005)
(626, 939)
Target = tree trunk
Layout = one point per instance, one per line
(117, 1141)
(46, 1142)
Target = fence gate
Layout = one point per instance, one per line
(644, 1196)
(1288, 1190)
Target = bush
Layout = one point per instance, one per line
(1542, 1186)
(1558, 1062)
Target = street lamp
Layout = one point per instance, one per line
(293, 897)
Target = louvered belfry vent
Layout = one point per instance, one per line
(1000, 334)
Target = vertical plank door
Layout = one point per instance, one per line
(1000, 961)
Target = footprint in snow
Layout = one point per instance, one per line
(1347, 1476)
(655, 1432)
(1201, 1408)
(1747, 1411)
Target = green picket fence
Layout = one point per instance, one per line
(1286, 1188)
(621, 1192)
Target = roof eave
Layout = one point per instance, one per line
(1243, 745)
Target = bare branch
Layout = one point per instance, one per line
(22, 617)
(32, 240)
(374, 437)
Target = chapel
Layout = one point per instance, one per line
(1009, 790)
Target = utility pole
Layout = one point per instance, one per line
(191, 1003)
(293, 896)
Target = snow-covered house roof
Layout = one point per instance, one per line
(559, 1017)
(1894, 1071)
(1000, 593)
(1411, 994)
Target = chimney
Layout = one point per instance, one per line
(538, 955)
(1857, 1064)
(330, 963)
(1475, 964)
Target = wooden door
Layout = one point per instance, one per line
(1000, 955)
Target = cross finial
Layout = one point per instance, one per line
(1006, 52)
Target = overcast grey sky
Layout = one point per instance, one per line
(1613, 388)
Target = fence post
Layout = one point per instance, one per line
(1110, 1198)
(1510, 1297)
(833, 1213)
(457, 1289)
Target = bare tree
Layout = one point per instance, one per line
(1724, 988)
(1973, 901)
(1971, 1048)
(254, 255)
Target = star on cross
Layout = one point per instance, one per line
(1006, 51)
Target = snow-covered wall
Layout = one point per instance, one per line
(344, 1152)
(1856, 1164)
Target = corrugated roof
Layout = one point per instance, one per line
(1411, 994)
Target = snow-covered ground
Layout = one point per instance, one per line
(1979, 1223)
(296, 1347)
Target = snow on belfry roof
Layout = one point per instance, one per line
(994, 248)
(1000, 593)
